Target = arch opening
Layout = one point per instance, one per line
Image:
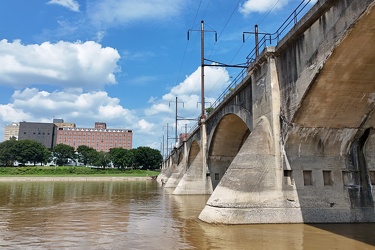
(193, 152)
(229, 136)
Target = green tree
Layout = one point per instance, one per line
(102, 160)
(87, 155)
(32, 151)
(121, 157)
(148, 158)
(209, 110)
(63, 153)
(117, 157)
(9, 152)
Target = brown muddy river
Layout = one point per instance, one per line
(142, 215)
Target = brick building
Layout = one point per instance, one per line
(51, 134)
(99, 137)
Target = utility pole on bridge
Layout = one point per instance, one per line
(167, 138)
(176, 138)
(203, 115)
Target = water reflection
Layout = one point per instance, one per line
(141, 215)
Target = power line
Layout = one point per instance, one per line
(268, 12)
(221, 32)
(226, 24)
(187, 43)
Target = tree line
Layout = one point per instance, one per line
(24, 151)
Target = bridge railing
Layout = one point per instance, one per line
(229, 89)
(267, 39)
(275, 37)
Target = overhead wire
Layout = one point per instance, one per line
(238, 51)
(204, 14)
(183, 61)
(220, 33)
(187, 43)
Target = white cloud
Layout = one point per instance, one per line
(81, 108)
(189, 92)
(63, 64)
(145, 126)
(100, 35)
(70, 4)
(8, 114)
(119, 12)
(261, 6)
(158, 108)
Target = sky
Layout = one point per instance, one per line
(124, 62)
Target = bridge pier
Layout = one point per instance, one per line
(251, 190)
(196, 179)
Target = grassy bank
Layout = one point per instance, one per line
(71, 171)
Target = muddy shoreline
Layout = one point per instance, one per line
(73, 178)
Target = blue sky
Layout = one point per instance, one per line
(122, 62)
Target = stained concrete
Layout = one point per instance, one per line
(195, 180)
(248, 187)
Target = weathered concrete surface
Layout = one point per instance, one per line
(167, 170)
(175, 176)
(343, 94)
(326, 73)
(230, 134)
(178, 171)
(195, 180)
(328, 84)
(249, 183)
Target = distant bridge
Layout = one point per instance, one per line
(294, 141)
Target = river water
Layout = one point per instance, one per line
(143, 215)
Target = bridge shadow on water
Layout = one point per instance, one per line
(363, 232)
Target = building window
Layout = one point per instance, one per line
(327, 178)
(216, 176)
(307, 178)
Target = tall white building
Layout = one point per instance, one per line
(11, 130)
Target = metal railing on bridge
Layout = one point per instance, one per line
(267, 39)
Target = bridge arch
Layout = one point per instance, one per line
(193, 153)
(226, 140)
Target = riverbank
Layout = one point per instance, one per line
(74, 178)
(73, 171)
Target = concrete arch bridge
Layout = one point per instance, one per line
(294, 142)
